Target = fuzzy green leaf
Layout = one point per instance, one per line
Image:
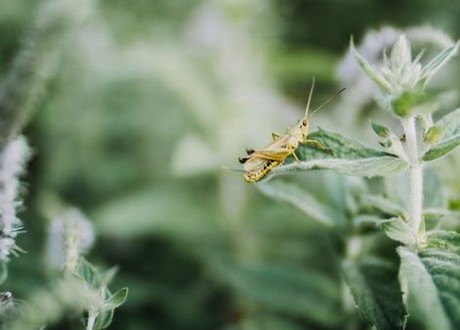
(269, 321)
(442, 213)
(438, 62)
(385, 205)
(103, 320)
(444, 240)
(398, 188)
(399, 230)
(370, 167)
(337, 147)
(436, 216)
(107, 318)
(117, 299)
(433, 190)
(88, 273)
(372, 73)
(376, 291)
(433, 135)
(442, 148)
(342, 154)
(301, 199)
(285, 288)
(366, 220)
(336, 186)
(108, 275)
(381, 130)
(146, 210)
(431, 286)
(450, 126)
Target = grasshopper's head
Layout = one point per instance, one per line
(304, 126)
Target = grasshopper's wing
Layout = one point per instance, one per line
(275, 154)
(279, 154)
(254, 162)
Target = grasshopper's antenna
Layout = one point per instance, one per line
(309, 96)
(327, 101)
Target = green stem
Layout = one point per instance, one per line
(91, 321)
(416, 175)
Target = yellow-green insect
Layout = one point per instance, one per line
(259, 162)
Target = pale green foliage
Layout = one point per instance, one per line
(448, 131)
(80, 288)
(399, 230)
(401, 73)
(420, 291)
(343, 154)
(373, 284)
(152, 118)
(285, 288)
(419, 284)
(100, 308)
(84, 291)
(77, 288)
(301, 199)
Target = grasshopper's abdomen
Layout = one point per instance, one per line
(258, 174)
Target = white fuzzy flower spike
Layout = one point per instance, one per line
(71, 234)
(12, 161)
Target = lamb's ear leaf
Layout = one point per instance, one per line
(431, 284)
(345, 155)
(385, 205)
(304, 293)
(375, 288)
(449, 128)
(399, 230)
(301, 199)
(372, 73)
(438, 62)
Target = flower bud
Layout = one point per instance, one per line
(433, 135)
(380, 130)
(408, 103)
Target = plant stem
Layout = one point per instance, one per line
(416, 175)
(91, 321)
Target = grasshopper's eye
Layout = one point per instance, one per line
(304, 122)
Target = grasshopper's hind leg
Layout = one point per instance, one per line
(319, 145)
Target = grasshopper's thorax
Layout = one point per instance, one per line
(304, 127)
(297, 134)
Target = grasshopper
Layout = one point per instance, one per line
(259, 162)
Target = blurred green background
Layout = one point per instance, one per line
(151, 99)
